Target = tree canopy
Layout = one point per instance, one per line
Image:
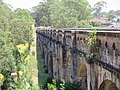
(111, 14)
(98, 8)
(15, 28)
(62, 13)
(21, 26)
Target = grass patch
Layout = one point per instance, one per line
(37, 69)
(42, 75)
(33, 69)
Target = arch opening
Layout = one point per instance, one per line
(82, 71)
(113, 46)
(108, 85)
(106, 44)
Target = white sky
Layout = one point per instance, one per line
(27, 4)
(111, 4)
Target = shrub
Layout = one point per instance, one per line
(75, 85)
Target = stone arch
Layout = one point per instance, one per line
(80, 38)
(98, 43)
(104, 76)
(113, 46)
(77, 38)
(106, 44)
(82, 73)
(69, 62)
(82, 70)
(108, 85)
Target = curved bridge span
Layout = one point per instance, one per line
(70, 54)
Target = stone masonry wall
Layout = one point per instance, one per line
(67, 55)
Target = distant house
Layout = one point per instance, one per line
(103, 21)
(115, 20)
(115, 23)
(114, 26)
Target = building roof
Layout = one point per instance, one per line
(104, 21)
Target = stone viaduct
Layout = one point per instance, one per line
(82, 54)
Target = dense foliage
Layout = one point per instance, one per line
(60, 84)
(23, 80)
(15, 29)
(98, 8)
(111, 14)
(21, 26)
(62, 13)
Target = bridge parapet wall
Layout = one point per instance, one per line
(70, 51)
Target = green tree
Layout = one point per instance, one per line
(7, 60)
(15, 28)
(98, 8)
(5, 16)
(41, 14)
(117, 12)
(21, 26)
(62, 13)
(103, 14)
(111, 14)
(68, 13)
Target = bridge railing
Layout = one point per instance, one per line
(47, 36)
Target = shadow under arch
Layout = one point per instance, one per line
(82, 73)
(108, 85)
(82, 70)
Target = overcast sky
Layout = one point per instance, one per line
(27, 4)
(111, 4)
